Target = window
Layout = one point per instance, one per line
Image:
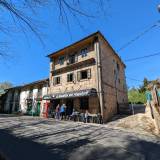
(39, 92)
(119, 80)
(72, 58)
(30, 93)
(61, 60)
(70, 77)
(114, 72)
(85, 74)
(118, 66)
(84, 103)
(84, 52)
(57, 80)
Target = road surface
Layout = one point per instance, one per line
(31, 138)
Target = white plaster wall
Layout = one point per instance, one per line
(44, 91)
(15, 103)
(23, 103)
(35, 92)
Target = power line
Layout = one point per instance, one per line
(143, 57)
(133, 79)
(139, 36)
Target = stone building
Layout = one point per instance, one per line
(88, 75)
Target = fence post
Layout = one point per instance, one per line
(132, 108)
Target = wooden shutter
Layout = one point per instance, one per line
(74, 78)
(67, 59)
(76, 57)
(54, 80)
(78, 76)
(89, 73)
(68, 77)
(60, 80)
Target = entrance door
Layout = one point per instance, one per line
(69, 104)
(55, 102)
(38, 108)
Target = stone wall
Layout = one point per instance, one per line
(113, 80)
(156, 114)
(65, 86)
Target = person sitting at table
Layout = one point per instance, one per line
(74, 114)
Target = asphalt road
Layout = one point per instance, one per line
(27, 138)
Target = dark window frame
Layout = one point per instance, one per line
(61, 60)
(57, 80)
(84, 52)
(82, 77)
(72, 58)
(69, 79)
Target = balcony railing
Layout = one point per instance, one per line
(76, 65)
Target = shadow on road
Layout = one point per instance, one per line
(18, 148)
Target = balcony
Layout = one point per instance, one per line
(74, 66)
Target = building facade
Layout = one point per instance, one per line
(26, 99)
(11, 100)
(31, 96)
(88, 75)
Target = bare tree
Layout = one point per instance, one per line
(5, 85)
(18, 12)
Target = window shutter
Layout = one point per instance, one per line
(78, 76)
(54, 81)
(67, 59)
(74, 78)
(60, 80)
(67, 77)
(89, 73)
(76, 57)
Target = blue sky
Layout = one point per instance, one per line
(121, 22)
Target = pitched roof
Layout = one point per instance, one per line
(85, 39)
(29, 84)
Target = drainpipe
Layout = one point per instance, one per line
(99, 75)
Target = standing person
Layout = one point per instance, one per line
(62, 111)
(86, 116)
(57, 116)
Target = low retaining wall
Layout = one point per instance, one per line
(156, 115)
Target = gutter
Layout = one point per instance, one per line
(99, 77)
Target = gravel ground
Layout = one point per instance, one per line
(27, 138)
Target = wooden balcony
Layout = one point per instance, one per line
(74, 66)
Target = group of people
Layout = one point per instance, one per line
(62, 111)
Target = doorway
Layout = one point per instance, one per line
(69, 104)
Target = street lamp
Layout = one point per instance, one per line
(158, 7)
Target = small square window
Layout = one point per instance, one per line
(70, 77)
(85, 74)
(57, 80)
(84, 52)
(71, 59)
(61, 60)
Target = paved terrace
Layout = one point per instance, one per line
(27, 138)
